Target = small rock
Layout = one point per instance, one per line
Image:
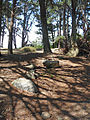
(31, 74)
(1, 80)
(2, 117)
(51, 64)
(59, 118)
(25, 84)
(32, 118)
(31, 66)
(45, 115)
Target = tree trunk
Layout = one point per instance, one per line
(23, 32)
(10, 42)
(73, 52)
(84, 22)
(60, 23)
(0, 23)
(60, 17)
(46, 43)
(68, 31)
(64, 25)
(11, 28)
(14, 38)
(73, 22)
(3, 31)
(52, 33)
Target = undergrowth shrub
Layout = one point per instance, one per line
(28, 49)
(39, 47)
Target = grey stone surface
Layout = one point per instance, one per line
(25, 84)
(59, 118)
(31, 66)
(2, 117)
(31, 74)
(45, 115)
(32, 118)
(51, 64)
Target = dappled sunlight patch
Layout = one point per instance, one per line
(69, 63)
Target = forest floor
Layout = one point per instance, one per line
(64, 92)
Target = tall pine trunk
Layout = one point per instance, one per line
(0, 22)
(60, 18)
(60, 23)
(11, 28)
(14, 34)
(73, 52)
(3, 31)
(68, 29)
(73, 22)
(23, 32)
(52, 35)
(46, 43)
(84, 21)
(64, 25)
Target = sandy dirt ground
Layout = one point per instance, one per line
(63, 92)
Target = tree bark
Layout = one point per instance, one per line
(64, 25)
(24, 22)
(46, 43)
(11, 28)
(60, 17)
(14, 38)
(73, 21)
(0, 23)
(3, 31)
(68, 31)
(73, 52)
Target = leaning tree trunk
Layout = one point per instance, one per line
(11, 28)
(46, 43)
(0, 22)
(73, 52)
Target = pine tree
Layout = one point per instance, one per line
(43, 15)
(1, 1)
(11, 27)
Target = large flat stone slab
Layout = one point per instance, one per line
(25, 84)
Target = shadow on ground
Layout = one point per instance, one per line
(63, 91)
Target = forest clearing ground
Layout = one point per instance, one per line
(63, 91)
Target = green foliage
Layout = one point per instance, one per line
(60, 38)
(38, 47)
(78, 36)
(79, 39)
(28, 49)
